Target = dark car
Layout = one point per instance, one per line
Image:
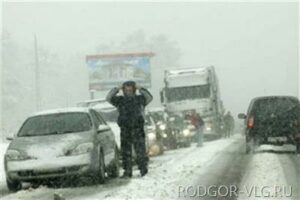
(272, 120)
(61, 143)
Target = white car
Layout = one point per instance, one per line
(61, 143)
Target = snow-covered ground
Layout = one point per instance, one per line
(3, 189)
(269, 167)
(265, 175)
(166, 172)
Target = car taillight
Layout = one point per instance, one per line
(250, 122)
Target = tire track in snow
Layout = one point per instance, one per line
(291, 166)
(227, 169)
(266, 175)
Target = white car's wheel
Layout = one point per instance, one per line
(101, 170)
(114, 170)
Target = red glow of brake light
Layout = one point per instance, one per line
(251, 122)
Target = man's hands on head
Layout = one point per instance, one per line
(119, 88)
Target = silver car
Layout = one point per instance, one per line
(61, 143)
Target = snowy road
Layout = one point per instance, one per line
(222, 162)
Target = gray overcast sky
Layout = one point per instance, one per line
(253, 45)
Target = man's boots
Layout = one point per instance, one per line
(144, 171)
(127, 174)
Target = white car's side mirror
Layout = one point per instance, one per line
(102, 128)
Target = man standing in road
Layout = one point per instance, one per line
(229, 124)
(198, 122)
(131, 122)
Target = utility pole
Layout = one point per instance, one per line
(37, 74)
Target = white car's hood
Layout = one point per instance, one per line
(50, 146)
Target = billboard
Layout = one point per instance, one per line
(111, 70)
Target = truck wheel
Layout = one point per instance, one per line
(13, 185)
(114, 170)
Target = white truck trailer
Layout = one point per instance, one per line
(194, 89)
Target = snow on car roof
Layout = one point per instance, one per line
(156, 109)
(103, 105)
(93, 100)
(61, 110)
(97, 104)
(275, 96)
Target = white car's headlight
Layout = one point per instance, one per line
(186, 132)
(12, 154)
(83, 148)
(151, 136)
(162, 127)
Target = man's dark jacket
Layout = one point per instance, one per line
(131, 108)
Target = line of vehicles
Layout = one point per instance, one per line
(85, 140)
(168, 126)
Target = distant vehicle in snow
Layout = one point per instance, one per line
(197, 89)
(272, 120)
(179, 132)
(160, 118)
(155, 143)
(61, 143)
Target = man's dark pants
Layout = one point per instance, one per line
(133, 136)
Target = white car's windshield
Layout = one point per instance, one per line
(56, 124)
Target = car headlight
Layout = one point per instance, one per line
(208, 128)
(83, 148)
(186, 132)
(151, 136)
(191, 127)
(162, 127)
(12, 154)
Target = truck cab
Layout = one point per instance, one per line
(194, 89)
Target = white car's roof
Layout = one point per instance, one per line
(92, 101)
(156, 109)
(97, 104)
(61, 110)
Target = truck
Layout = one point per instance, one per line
(196, 89)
